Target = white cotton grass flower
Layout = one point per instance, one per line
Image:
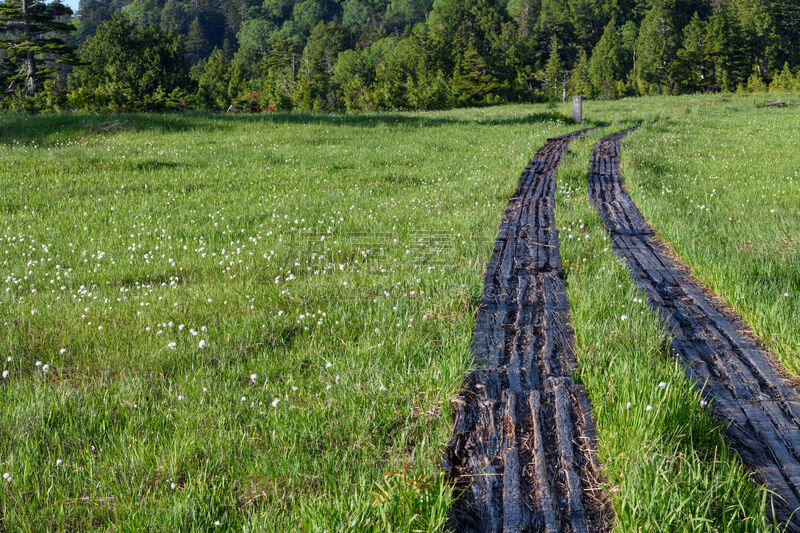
(62, 351)
(217, 523)
(629, 405)
(59, 462)
(45, 368)
(172, 345)
(7, 477)
(38, 363)
(180, 397)
(328, 364)
(703, 403)
(253, 377)
(5, 374)
(275, 402)
(202, 344)
(624, 318)
(648, 408)
(662, 385)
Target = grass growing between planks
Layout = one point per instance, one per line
(717, 178)
(668, 466)
(242, 322)
(719, 182)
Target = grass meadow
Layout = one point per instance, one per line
(259, 323)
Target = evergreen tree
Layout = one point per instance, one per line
(317, 67)
(123, 66)
(784, 81)
(173, 17)
(758, 26)
(580, 82)
(588, 21)
(213, 77)
(610, 61)
(526, 14)
(255, 33)
(34, 36)
(195, 42)
(554, 72)
(656, 47)
(727, 50)
(473, 82)
(694, 56)
(143, 12)
(92, 13)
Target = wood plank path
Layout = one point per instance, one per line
(523, 444)
(719, 349)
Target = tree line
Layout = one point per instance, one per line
(348, 55)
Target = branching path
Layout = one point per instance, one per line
(762, 410)
(523, 439)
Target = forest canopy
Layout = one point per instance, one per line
(347, 55)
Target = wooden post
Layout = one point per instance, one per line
(577, 108)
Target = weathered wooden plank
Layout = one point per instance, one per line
(760, 408)
(514, 447)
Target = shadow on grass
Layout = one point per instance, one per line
(44, 130)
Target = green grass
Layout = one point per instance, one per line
(719, 182)
(151, 227)
(668, 467)
(141, 224)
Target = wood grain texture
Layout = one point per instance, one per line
(523, 444)
(735, 372)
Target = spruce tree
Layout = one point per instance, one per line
(609, 61)
(195, 43)
(579, 81)
(554, 71)
(34, 34)
(694, 56)
(656, 47)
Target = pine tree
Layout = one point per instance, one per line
(609, 61)
(195, 42)
(656, 47)
(580, 82)
(34, 34)
(694, 56)
(554, 71)
(173, 17)
(727, 50)
(473, 81)
(784, 81)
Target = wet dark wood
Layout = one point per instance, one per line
(733, 370)
(523, 445)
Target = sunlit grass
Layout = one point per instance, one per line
(250, 322)
(332, 267)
